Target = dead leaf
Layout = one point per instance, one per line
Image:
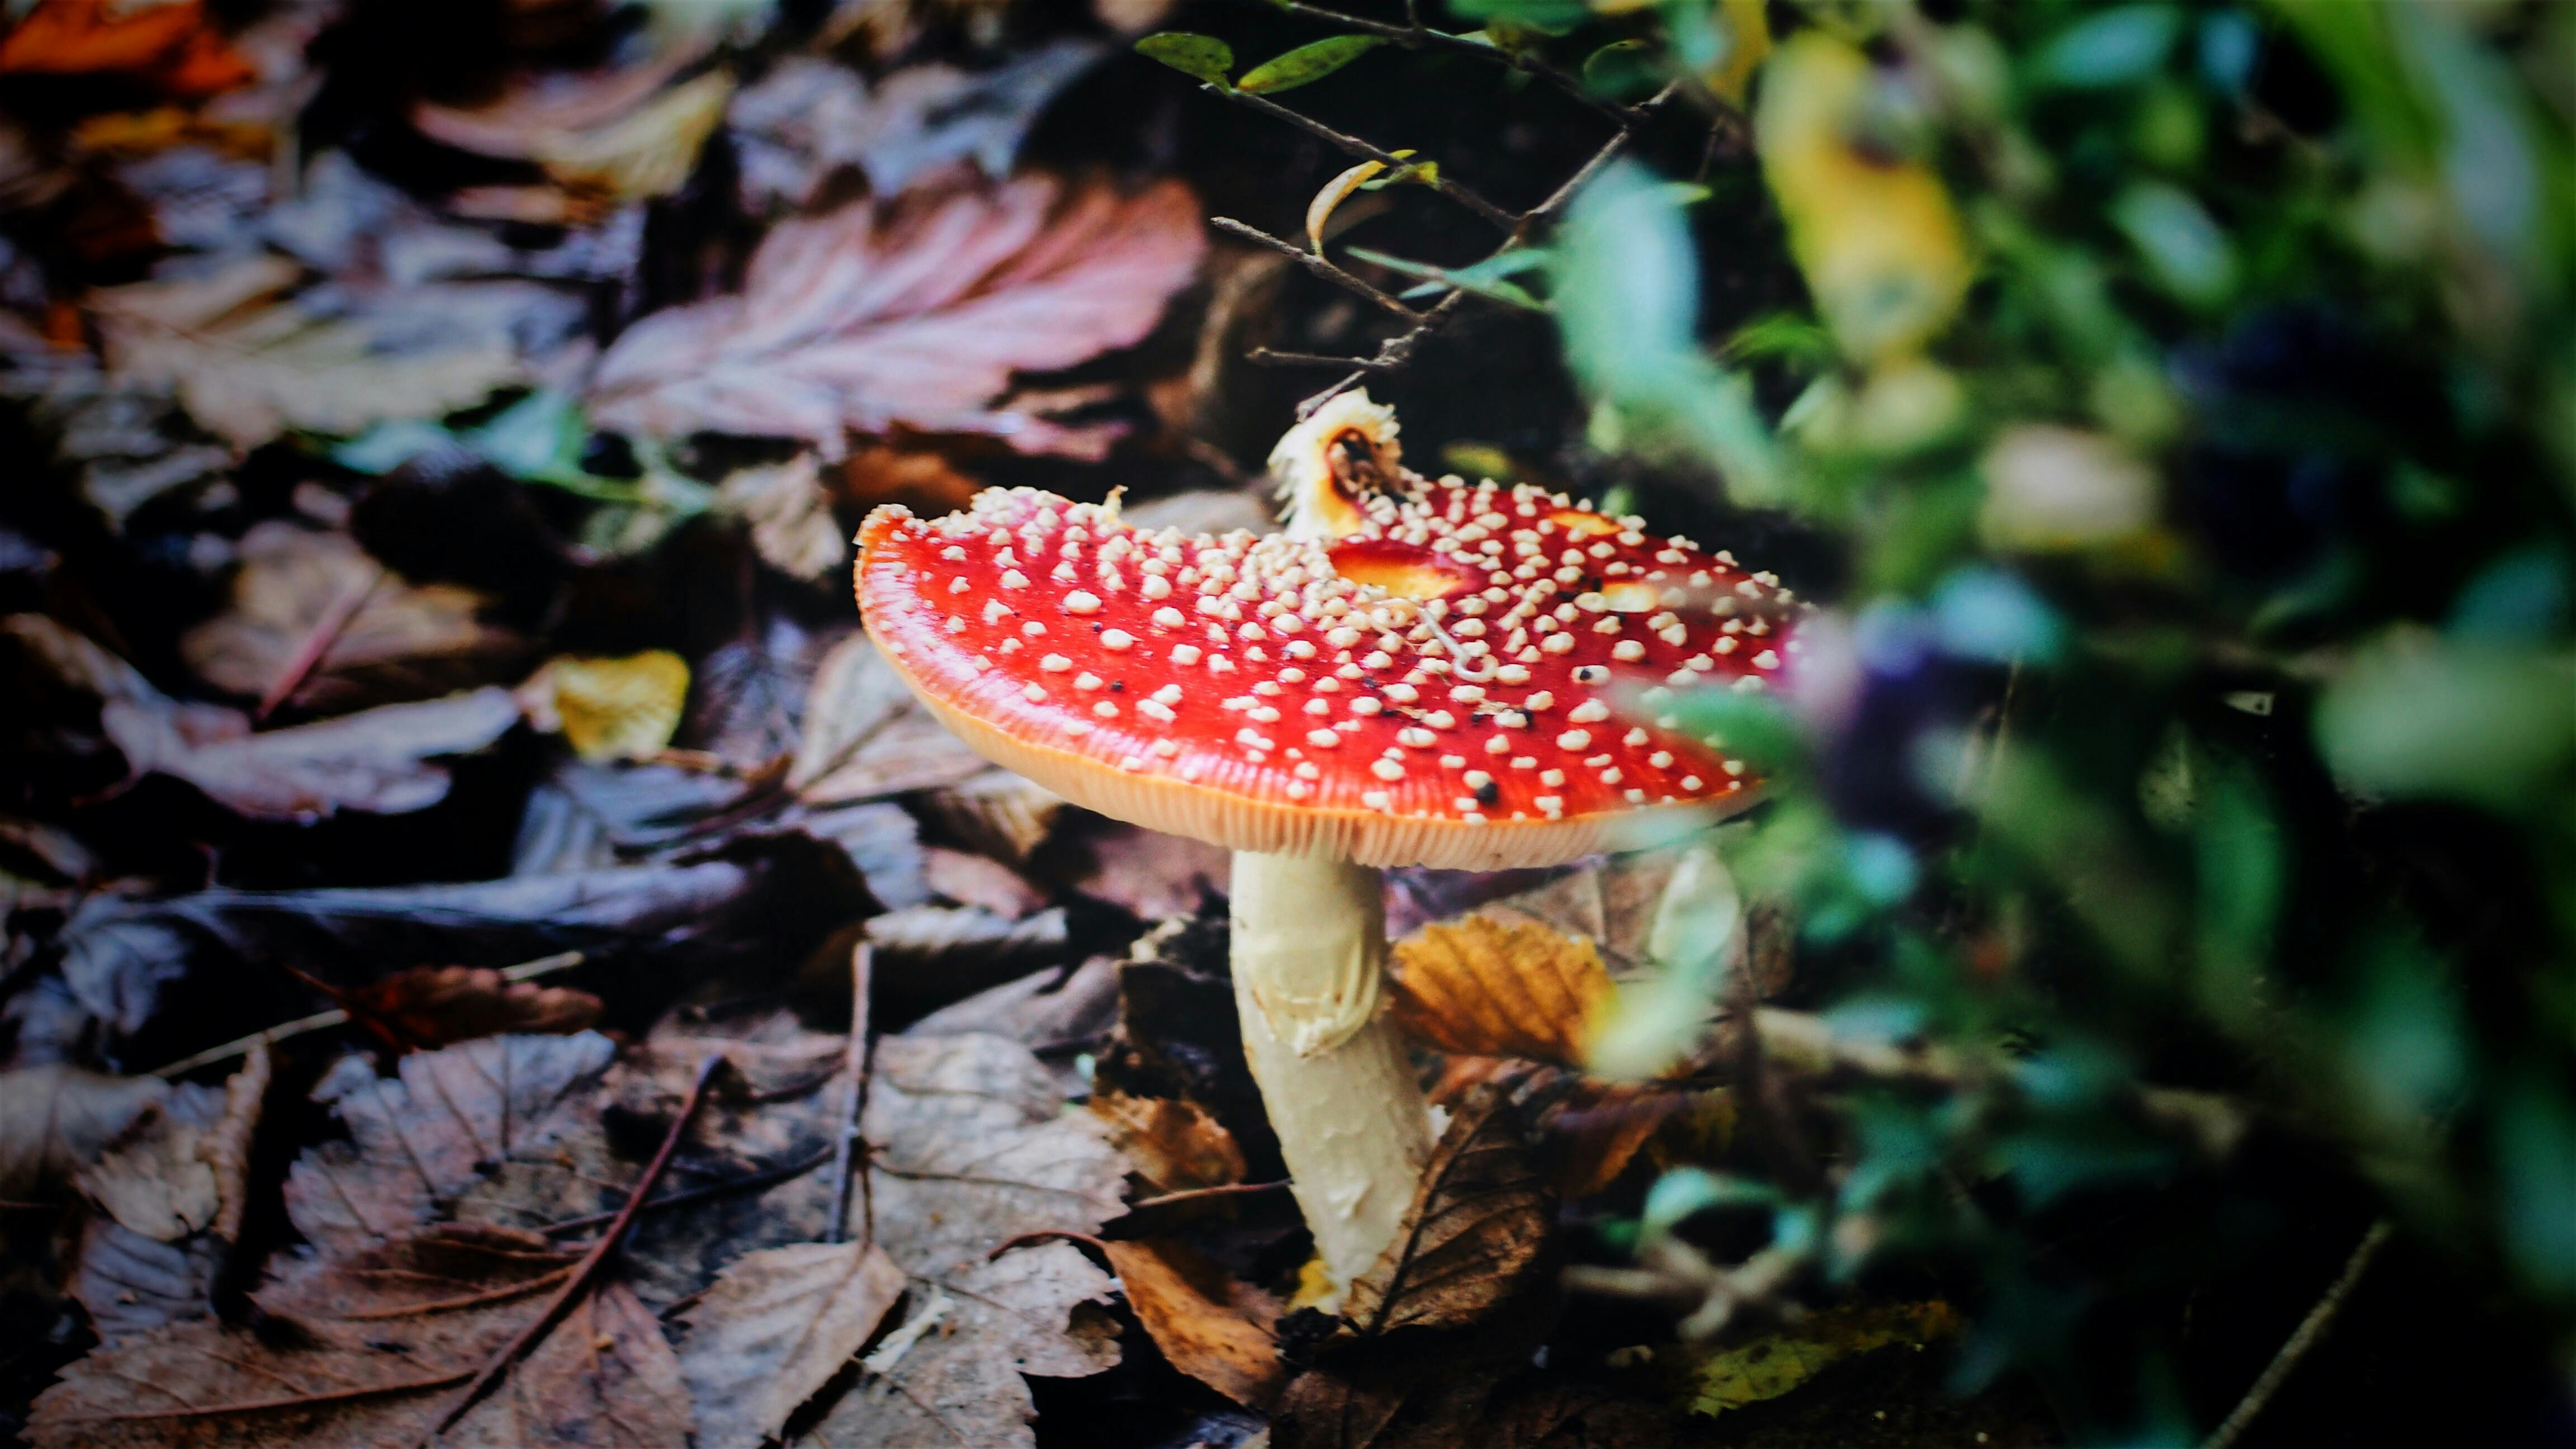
(809, 117)
(402, 641)
(56, 1119)
(916, 313)
(173, 46)
(865, 737)
(428, 1007)
(1044, 1009)
(386, 1336)
(450, 1119)
(921, 479)
(978, 880)
(174, 1190)
(790, 516)
(1486, 989)
(251, 362)
(1474, 1236)
(1174, 1144)
(1153, 875)
(617, 709)
(994, 810)
(1780, 1361)
(152, 1178)
(131, 1284)
(774, 1328)
(376, 760)
(1212, 1326)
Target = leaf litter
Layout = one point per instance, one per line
(396, 402)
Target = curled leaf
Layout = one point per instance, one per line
(1335, 192)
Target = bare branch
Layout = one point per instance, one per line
(1273, 357)
(1357, 147)
(1320, 266)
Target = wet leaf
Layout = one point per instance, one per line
(1212, 1326)
(1174, 1144)
(915, 312)
(383, 1340)
(1780, 1361)
(1203, 56)
(774, 1328)
(622, 708)
(1307, 64)
(1487, 989)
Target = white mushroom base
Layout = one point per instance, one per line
(1309, 956)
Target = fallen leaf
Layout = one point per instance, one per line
(1780, 1361)
(978, 880)
(401, 641)
(865, 737)
(1212, 1326)
(175, 1192)
(1174, 1144)
(428, 1007)
(994, 810)
(773, 1330)
(376, 760)
(383, 1340)
(1486, 989)
(1042, 1010)
(1474, 1237)
(790, 516)
(174, 45)
(417, 1141)
(916, 313)
(131, 1284)
(921, 479)
(56, 1119)
(152, 1179)
(1153, 875)
(251, 362)
(750, 696)
(618, 709)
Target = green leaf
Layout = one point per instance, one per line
(1486, 278)
(1778, 1362)
(1203, 56)
(1307, 63)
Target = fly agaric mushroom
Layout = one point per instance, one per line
(1415, 673)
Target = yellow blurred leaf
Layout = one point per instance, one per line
(620, 709)
(1775, 1363)
(1486, 989)
(1749, 30)
(1335, 192)
(1876, 235)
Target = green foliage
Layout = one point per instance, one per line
(1306, 64)
(1203, 56)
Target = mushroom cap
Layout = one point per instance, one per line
(1433, 687)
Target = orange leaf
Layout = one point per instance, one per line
(431, 1006)
(1485, 989)
(167, 44)
(1174, 1145)
(1211, 1327)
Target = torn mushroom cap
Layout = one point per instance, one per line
(1434, 688)
(1328, 465)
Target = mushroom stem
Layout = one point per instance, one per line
(1309, 959)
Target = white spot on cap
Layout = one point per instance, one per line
(1082, 601)
(1087, 680)
(1185, 654)
(1105, 710)
(1032, 693)
(1589, 712)
(1366, 704)
(1055, 664)
(1627, 651)
(1117, 639)
(1012, 579)
(1168, 617)
(1573, 739)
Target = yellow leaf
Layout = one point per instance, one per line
(1877, 236)
(620, 709)
(1485, 989)
(1750, 31)
(1335, 192)
(1775, 1363)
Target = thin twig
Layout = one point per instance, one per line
(1414, 35)
(318, 640)
(848, 1160)
(1357, 147)
(1318, 265)
(2303, 1338)
(1194, 1194)
(1273, 357)
(587, 1271)
(325, 1020)
(767, 1177)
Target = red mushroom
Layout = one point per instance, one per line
(1415, 673)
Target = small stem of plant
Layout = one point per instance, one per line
(1357, 147)
(325, 1020)
(2303, 1338)
(1320, 266)
(848, 1160)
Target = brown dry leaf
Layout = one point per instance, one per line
(622, 708)
(979, 880)
(609, 135)
(1175, 1145)
(428, 1007)
(174, 1192)
(997, 811)
(790, 516)
(56, 1119)
(376, 760)
(915, 313)
(865, 736)
(1474, 1236)
(808, 120)
(1486, 989)
(174, 46)
(418, 1141)
(402, 641)
(251, 362)
(1153, 875)
(1211, 1326)
(774, 1329)
(921, 479)
(152, 1180)
(386, 1338)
